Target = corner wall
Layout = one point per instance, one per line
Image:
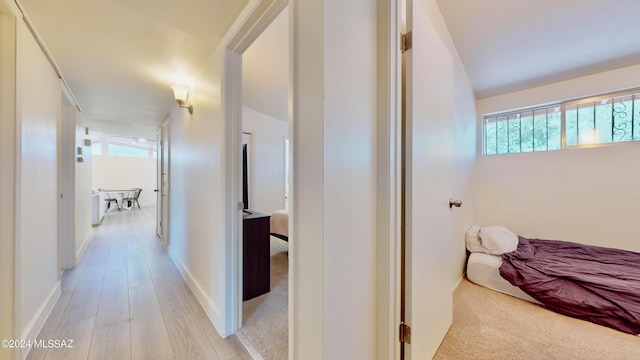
(581, 195)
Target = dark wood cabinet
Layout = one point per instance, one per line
(256, 257)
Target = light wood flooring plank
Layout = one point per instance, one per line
(80, 332)
(126, 300)
(227, 348)
(174, 295)
(188, 339)
(149, 338)
(114, 300)
(86, 296)
(111, 342)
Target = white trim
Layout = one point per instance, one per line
(389, 178)
(457, 283)
(83, 248)
(209, 307)
(255, 18)
(8, 228)
(34, 327)
(67, 181)
(17, 283)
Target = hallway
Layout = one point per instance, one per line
(126, 300)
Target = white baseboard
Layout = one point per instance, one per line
(212, 311)
(83, 248)
(33, 329)
(458, 283)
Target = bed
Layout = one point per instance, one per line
(280, 224)
(484, 270)
(597, 284)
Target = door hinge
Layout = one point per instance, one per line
(405, 333)
(406, 41)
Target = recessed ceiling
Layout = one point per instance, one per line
(510, 45)
(121, 57)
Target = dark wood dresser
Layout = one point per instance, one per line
(256, 257)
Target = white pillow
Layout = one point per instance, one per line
(472, 240)
(498, 239)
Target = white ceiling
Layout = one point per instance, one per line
(509, 45)
(120, 57)
(265, 70)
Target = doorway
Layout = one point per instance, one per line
(263, 14)
(265, 128)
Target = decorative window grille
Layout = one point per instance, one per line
(536, 129)
(605, 119)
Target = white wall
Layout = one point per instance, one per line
(38, 111)
(582, 195)
(196, 215)
(334, 202)
(122, 172)
(267, 159)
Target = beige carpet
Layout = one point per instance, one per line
(486, 325)
(491, 325)
(265, 318)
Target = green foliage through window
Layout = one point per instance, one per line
(530, 130)
(605, 119)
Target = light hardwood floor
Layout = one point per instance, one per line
(126, 300)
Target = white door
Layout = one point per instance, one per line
(428, 185)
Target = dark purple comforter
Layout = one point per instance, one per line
(597, 284)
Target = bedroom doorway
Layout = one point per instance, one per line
(265, 126)
(428, 217)
(257, 78)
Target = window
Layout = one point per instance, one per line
(605, 119)
(122, 150)
(537, 129)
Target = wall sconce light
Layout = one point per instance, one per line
(181, 93)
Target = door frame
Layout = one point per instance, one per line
(163, 171)
(259, 14)
(8, 186)
(390, 179)
(158, 189)
(67, 182)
